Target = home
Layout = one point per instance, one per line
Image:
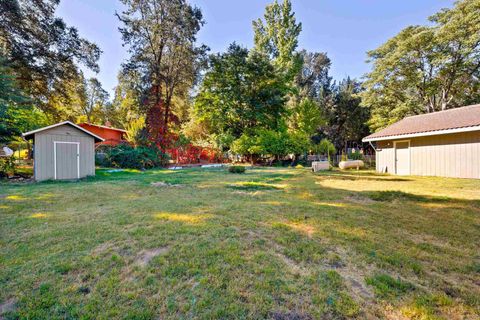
(112, 136)
(445, 143)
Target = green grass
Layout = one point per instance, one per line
(271, 243)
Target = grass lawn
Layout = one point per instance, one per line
(271, 243)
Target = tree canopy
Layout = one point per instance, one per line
(161, 38)
(42, 51)
(240, 91)
(426, 68)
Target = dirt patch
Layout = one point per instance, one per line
(302, 228)
(145, 256)
(163, 184)
(7, 306)
(246, 193)
(292, 315)
(103, 247)
(359, 200)
(392, 313)
(292, 265)
(354, 277)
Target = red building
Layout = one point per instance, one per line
(112, 136)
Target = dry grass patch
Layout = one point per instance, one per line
(272, 243)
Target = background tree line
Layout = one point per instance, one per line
(271, 100)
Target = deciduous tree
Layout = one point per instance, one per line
(161, 36)
(277, 37)
(240, 92)
(426, 68)
(42, 50)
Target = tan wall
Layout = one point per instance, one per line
(452, 155)
(44, 151)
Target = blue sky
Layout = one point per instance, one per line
(345, 29)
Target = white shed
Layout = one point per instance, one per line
(444, 143)
(63, 151)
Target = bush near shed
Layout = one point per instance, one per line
(126, 156)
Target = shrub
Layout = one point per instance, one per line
(357, 155)
(236, 169)
(325, 147)
(7, 167)
(126, 156)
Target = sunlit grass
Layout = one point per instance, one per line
(331, 204)
(15, 197)
(185, 218)
(38, 215)
(274, 243)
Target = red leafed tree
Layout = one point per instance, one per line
(161, 38)
(158, 119)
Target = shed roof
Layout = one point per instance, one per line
(443, 122)
(30, 134)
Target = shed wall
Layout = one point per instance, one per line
(44, 151)
(451, 155)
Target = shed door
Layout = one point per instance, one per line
(67, 164)
(402, 158)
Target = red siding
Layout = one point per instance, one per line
(112, 136)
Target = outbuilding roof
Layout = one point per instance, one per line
(443, 122)
(30, 134)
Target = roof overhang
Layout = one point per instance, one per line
(103, 127)
(30, 134)
(422, 134)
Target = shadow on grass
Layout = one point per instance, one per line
(388, 196)
(359, 175)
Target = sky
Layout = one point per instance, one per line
(344, 29)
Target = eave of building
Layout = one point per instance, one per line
(422, 134)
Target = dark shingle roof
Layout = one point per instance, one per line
(457, 118)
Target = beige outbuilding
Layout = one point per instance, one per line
(445, 144)
(63, 151)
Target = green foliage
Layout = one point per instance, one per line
(136, 132)
(325, 147)
(7, 166)
(306, 116)
(240, 92)
(387, 287)
(297, 142)
(313, 80)
(17, 114)
(277, 37)
(345, 116)
(276, 144)
(236, 169)
(126, 156)
(161, 36)
(357, 155)
(426, 68)
(96, 99)
(43, 51)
